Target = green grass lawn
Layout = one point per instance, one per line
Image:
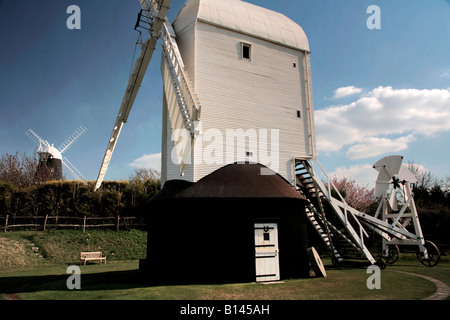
(122, 281)
(24, 276)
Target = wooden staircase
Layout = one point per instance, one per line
(335, 225)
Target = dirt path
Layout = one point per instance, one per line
(442, 292)
(12, 296)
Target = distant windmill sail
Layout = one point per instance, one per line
(73, 170)
(69, 142)
(37, 139)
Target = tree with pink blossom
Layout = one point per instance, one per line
(356, 196)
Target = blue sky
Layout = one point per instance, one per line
(376, 92)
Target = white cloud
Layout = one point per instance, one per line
(148, 161)
(364, 175)
(374, 146)
(345, 92)
(366, 124)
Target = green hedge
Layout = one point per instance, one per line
(72, 198)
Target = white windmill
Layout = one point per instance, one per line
(250, 37)
(251, 71)
(52, 157)
(251, 68)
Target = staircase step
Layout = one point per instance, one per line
(340, 237)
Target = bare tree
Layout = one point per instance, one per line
(447, 183)
(145, 174)
(21, 170)
(143, 184)
(425, 180)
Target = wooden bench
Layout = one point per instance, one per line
(85, 256)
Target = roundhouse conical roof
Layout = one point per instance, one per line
(244, 17)
(241, 181)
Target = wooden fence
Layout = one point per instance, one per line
(46, 222)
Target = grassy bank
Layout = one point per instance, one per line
(23, 249)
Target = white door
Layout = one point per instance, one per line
(266, 252)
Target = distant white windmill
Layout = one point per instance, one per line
(52, 157)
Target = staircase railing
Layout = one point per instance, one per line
(341, 209)
(343, 204)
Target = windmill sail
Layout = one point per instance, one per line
(155, 15)
(70, 141)
(73, 170)
(387, 167)
(37, 139)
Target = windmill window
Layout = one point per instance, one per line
(294, 65)
(266, 236)
(249, 154)
(246, 51)
(299, 114)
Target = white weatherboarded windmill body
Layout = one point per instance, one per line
(250, 69)
(237, 87)
(238, 132)
(52, 157)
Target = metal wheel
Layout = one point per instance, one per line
(335, 262)
(393, 254)
(381, 263)
(433, 255)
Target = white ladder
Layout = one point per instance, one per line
(185, 112)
